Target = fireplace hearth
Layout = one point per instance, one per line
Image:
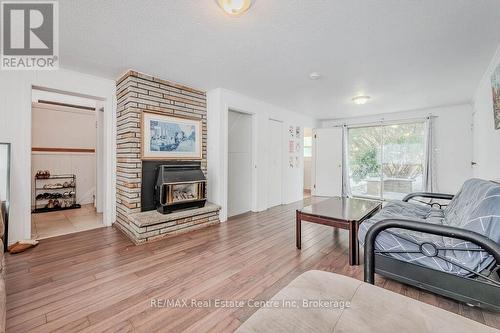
(179, 186)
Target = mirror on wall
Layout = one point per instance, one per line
(5, 185)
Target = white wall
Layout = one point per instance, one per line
(239, 163)
(15, 127)
(486, 138)
(453, 140)
(63, 127)
(60, 127)
(219, 101)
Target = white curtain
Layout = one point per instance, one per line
(346, 182)
(429, 179)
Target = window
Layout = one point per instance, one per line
(307, 146)
(386, 162)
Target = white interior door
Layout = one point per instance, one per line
(239, 196)
(327, 162)
(275, 180)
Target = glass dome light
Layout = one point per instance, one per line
(235, 7)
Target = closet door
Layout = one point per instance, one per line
(327, 162)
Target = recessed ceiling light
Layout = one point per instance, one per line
(315, 76)
(234, 7)
(360, 100)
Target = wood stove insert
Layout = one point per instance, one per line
(179, 186)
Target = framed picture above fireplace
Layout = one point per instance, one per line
(170, 138)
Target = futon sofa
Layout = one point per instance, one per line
(449, 248)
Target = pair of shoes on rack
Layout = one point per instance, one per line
(69, 184)
(46, 195)
(59, 204)
(67, 203)
(53, 186)
(65, 195)
(53, 204)
(42, 174)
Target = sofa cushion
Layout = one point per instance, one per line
(378, 310)
(407, 209)
(460, 210)
(476, 207)
(368, 309)
(312, 285)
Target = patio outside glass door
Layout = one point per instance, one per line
(386, 161)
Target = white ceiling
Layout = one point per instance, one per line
(406, 54)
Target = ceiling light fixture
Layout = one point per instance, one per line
(234, 7)
(360, 100)
(315, 76)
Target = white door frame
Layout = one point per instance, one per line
(99, 158)
(225, 123)
(313, 163)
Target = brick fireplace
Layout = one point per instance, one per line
(137, 92)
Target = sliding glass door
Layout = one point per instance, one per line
(386, 161)
(364, 161)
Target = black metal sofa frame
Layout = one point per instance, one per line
(478, 288)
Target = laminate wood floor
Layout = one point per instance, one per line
(97, 280)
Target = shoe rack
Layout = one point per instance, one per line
(54, 192)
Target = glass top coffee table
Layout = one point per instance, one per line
(343, 213)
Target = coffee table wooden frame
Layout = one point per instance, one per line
(351, 225)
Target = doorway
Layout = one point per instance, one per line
(275, 181)
(239, 198)
(66, 164)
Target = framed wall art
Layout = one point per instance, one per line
(170, 137)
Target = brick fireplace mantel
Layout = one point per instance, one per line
(137, 92)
